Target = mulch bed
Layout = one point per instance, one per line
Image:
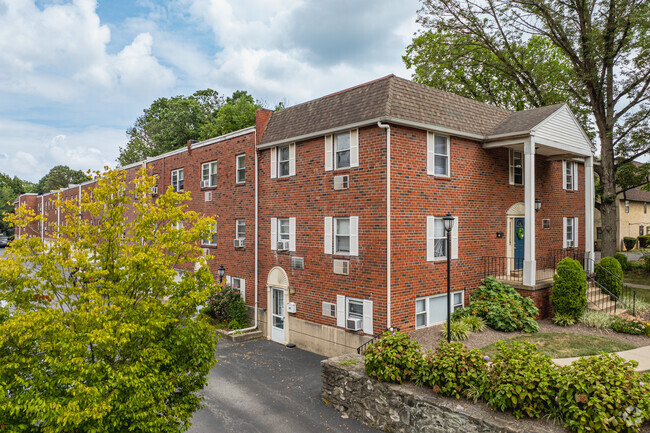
(430, 337)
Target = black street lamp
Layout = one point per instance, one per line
(448, 220)
(538, 204)
(222, 272)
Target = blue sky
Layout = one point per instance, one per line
(75, 74)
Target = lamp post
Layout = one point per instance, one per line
(221, 271)
(448, 220)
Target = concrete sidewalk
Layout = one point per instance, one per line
(640, 355)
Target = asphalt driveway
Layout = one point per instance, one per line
(261, 386)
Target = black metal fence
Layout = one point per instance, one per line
(512, 269)
(365, 345)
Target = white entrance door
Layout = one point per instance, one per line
(277, 315)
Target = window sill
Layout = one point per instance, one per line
(440, 177)
(207, 188)
(240, 184)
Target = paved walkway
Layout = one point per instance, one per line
(640, 355)
(637, 286)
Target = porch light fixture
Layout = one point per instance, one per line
(222, 272)
(538, 204)
(448, 220)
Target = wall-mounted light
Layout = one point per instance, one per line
(538, 204)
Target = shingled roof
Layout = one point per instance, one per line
(395, 98)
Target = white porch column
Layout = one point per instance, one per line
(590, 195)
(530, 264)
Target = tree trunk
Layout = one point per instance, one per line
(607, 174)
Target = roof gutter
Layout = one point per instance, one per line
(388, 240)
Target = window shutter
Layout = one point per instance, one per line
(354, 235)
(340, 311)
(564, 176)
(329, 156)
(430, 238)
(564, 242)
(575, 232)
(575, 176)
(228, 280)
(454, 240)
(292, 159)
(274, 162)
(367, 317)
(430, 154)
(354, 148)
(242, 289)
(274, 233)
(328, 235)
(292, 234)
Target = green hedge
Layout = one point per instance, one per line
(610, 275)
(569, 297)
(644, 241)
(622, 259)
(629, 243)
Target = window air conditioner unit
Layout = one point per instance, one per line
(239, 243)
(154, 190)
(354, 324)
(341, 267)
(205, 183)
(283, 245)
(341, 182)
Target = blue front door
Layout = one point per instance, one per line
(519, 243)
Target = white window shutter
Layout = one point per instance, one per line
(292, 159)
(454, 240)
(292, 234)
(274, 233)
(274, 162)
(564, 162)
(430, 154)
(354, 235)
(242, 289)
(575, 232)
(367, 317)
(575, 176)
(228, 280)
(354, 148)
(340, 311)
(564, 240)
(328, 235)
(329, 154)
(430, 238)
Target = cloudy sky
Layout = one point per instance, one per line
(75, 74)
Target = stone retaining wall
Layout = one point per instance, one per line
(409, 408)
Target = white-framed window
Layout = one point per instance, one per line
(627, 206)
(241, 168)
(177, 179)
(342, 235)
(240, 229)
(351, 312)
(438, 151)
(209, 174)
(283, 230)
(641, 230)
(179, 225)
(283, 161)
(212, 240)
(342, 150)
(645, 207)
(432, 310)
(546, 223)
(570, 232)
(570, 175)
(437, 239)
(237, 283)
(516, 167)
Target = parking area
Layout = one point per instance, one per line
(261, 386)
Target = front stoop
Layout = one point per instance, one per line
(240, 337)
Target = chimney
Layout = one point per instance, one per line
(262, 117)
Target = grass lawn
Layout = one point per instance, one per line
(642, 294)
(637, 276)
(559, 345)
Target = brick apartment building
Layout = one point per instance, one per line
(329, 242)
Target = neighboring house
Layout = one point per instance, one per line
(632, 217)
(341, 200)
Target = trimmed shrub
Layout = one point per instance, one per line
(610, 275)
(503, 308)
(459, 330)
(603, 394)
(475, 323)
(629, 243)
(645, 260)
(394, 358)
(622, 259)
(522, 380)
(596, 319)
(453, 371)
(564, 319)
(644, 241)
(569, 297)
(628, 325)
(226, 305)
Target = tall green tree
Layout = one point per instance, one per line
(592, 54)
(60, 176)
(169, 123)
(10, 188)
(102, 337)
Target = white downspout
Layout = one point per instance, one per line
(42, 222)
(388, 251)
(58, 212)
(256, 244)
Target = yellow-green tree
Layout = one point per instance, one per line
(102, 336)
